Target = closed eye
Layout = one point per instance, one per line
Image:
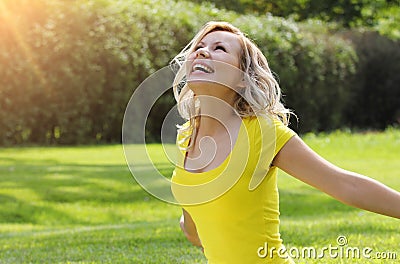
(198, 47)
(219, 47)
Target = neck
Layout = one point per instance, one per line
(216, 115)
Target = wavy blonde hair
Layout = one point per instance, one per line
(261, 95)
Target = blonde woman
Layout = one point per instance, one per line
(234, 141)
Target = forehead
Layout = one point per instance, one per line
(224, 37)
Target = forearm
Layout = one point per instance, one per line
(371, 195)
(189, 229)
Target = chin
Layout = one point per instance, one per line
(201, 83)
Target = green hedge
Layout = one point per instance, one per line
(68, 68)
(375, 98)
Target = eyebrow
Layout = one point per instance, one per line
(218, 42)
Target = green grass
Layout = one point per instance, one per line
(81, 205)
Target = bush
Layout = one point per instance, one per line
(68, 68)
(375, 97)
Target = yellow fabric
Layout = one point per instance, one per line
(236, 225)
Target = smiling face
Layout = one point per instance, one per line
(212, 68)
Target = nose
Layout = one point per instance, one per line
(202, 52)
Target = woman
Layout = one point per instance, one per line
(235, 139)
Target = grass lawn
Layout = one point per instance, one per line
(81, 205)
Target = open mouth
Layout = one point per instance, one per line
(203, 68)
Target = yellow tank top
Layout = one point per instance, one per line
(236, 206)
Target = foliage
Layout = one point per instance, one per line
(380, 15)
(375, 96)
(388, 21)
(68, 68)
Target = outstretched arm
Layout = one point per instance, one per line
(189, 228)
(300, 161)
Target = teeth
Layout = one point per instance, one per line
(202, 67)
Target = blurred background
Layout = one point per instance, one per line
(69, 67)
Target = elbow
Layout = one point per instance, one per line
(192, 238)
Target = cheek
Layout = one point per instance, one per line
(187, 65)
(191, 56)
(232, 60)
(229, 75)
